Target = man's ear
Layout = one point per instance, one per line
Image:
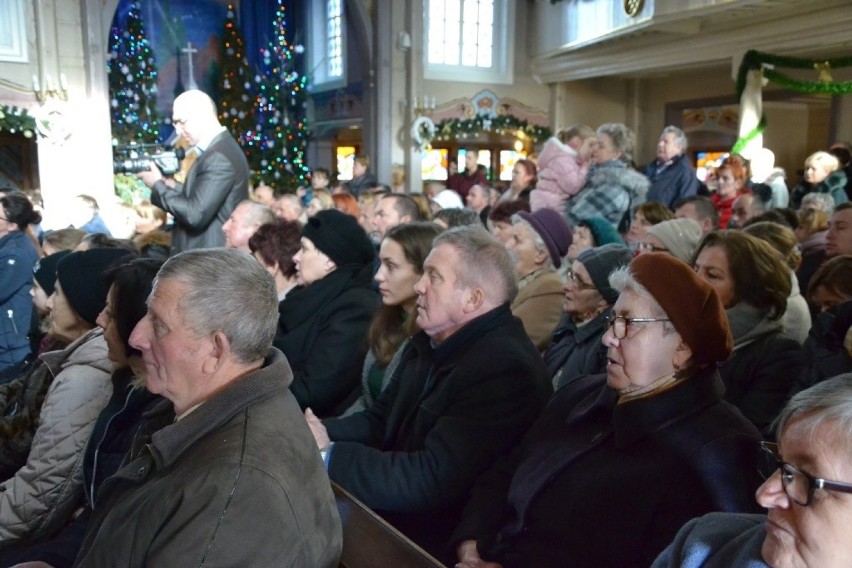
(541, 256)
(474, 298)
(405, 219)
(218, 348)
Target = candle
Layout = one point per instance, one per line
(36, 86)
(63, 82)
(50, 88)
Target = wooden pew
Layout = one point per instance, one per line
(370, 542)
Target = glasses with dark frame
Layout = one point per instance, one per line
(578, 283)
(620, 324)
(798, 485)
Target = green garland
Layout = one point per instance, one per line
(754, 59)
(744, 141)
(15, 119)
(504, 124)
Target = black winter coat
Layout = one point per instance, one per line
(826, 355)
(322, 329)
(596, 483)
(447, 415)
(576, 351)
(758, 377)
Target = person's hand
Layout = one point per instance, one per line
(469, 557)
(317, 429)
(152, 176)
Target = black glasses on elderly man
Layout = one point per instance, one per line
(620, 324)
(798, 485)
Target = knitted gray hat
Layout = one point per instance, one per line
(600, 262)
(680, 236)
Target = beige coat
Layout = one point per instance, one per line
(539, 305)
(49, 486)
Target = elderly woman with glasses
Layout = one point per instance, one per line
(808, 494)
(576, 348)
(618, 462)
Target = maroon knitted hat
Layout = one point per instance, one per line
(689, 301)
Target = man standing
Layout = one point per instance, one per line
(215, 184)
(229, 475)
(672, 177)
(392, 210)
(479, 199)
(243, 222)
(462, 182)
(465, 390)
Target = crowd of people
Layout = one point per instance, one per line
(589, 367)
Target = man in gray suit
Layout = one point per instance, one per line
(215, 184)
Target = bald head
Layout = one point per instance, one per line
(194, 116)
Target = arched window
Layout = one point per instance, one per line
(327, 41)
(469, 40)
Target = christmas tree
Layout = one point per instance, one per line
(276, 148)
(132, 79)
(235, 99)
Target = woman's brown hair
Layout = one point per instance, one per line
(391, 326)
(761, 278)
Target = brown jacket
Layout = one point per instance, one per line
(539, 305)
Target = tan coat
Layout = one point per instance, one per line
(539, 305)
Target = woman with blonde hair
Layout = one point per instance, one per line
(822, 175)
(812, 230)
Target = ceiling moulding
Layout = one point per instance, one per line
(654, 49)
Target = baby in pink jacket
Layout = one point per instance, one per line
(562, 168)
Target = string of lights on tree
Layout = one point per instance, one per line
(276, 148)
(236, 102)
(132, 80)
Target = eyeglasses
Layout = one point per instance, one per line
(619, 324)
(578, 282)
(798, 485)
(648, 247)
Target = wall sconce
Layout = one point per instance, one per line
(403, 41)
(51, 92)
(424, 106)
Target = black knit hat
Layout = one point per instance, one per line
(602, 261)
(340, 238)
(45, 270)
(80, 276)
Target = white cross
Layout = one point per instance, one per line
(189, 50)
